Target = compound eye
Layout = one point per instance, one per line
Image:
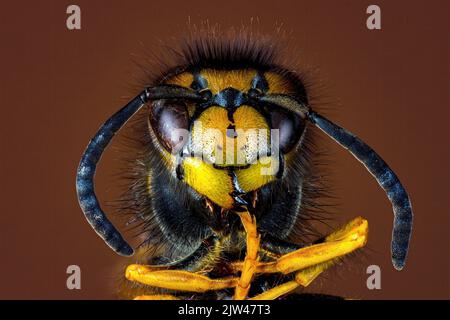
(290, 128)
(170, 123)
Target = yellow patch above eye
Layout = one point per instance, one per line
(278, 83)
(184, 79)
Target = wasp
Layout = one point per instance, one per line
(227, 179)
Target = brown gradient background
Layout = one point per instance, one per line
(391, 87)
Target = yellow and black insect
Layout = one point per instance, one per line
(226, 179)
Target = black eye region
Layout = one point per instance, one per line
(170, 123)
(290, 126)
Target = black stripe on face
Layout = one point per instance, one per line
(260, 82)
(199, 82)
(229, 98)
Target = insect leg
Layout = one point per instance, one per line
(277, 291)
(178, 280)
(183, 275)
(350, 238)
(251, 258)
(339, 243)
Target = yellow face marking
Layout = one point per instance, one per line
(247, 118)
(205, 179)
(219, 80)
(209, 133)
(184, 79)
(258, 174)
(278, 83)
